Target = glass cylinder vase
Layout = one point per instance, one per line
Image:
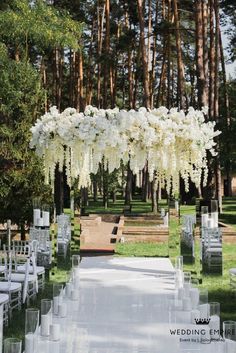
(57, 297)
(12, 345)
(46, 316)
(31, 330)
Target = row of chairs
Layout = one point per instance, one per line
(21, 278)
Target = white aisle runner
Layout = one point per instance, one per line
(121, 300)
(122, 309)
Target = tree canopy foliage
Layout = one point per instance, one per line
(107, 53)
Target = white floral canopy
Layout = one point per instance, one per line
(173, 142)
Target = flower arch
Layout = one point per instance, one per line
(173, 142)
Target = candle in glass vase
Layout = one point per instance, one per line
(204, 311)
(178, 279)
(37, 215)
(29, 343)
(46, 219)
(194, 295)
(205, 336)
(62, 310)
(74, 294)
(214, 326)
(55, 332)
(187, 287)
(210, 223)
(181, 293)
(68, 290)
(40, 222)
(45, 325)
(187, 304)
(204, 218)
(230, 346)
(214, 216)
(55, 305)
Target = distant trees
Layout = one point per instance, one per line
(31, 33)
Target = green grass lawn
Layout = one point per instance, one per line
(138, 206)
(229, 211)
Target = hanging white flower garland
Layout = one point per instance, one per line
(173, 143)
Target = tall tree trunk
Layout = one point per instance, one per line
(59, 175)
(154, 195)
(80, 82)
(107, 54)
(72, 77)
(57, 79)
(228, 121)
(144, 54)
(59, 190)
(201, 84)
(216, 101)
(105, 188)
(211, 61)
(128, 189)
(154, 49)
(162, 79)
(205, 14)
(44, 83)
(99, 51)
(95, 191)
(145, 181)
(181, 81)
(89, 85)
(168, 98)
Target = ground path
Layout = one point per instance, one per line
(96, 235)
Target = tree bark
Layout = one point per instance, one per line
(79, 99)
(205, 14)
(144, 54)
(228, 120)
(107, 55)
(128, 189)
(145, 181)
(95, 191)
(159, 100)
(216, 102)
(168, 98)
(154, 195)
(90, 71)
(99, 51)
(181, 83)
(211, 62)
(201, 84)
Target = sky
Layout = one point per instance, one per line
(230, 68)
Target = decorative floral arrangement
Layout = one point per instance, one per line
(173, 142)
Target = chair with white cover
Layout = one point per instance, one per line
(33, 269)
(30, 279)
(11, 289)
